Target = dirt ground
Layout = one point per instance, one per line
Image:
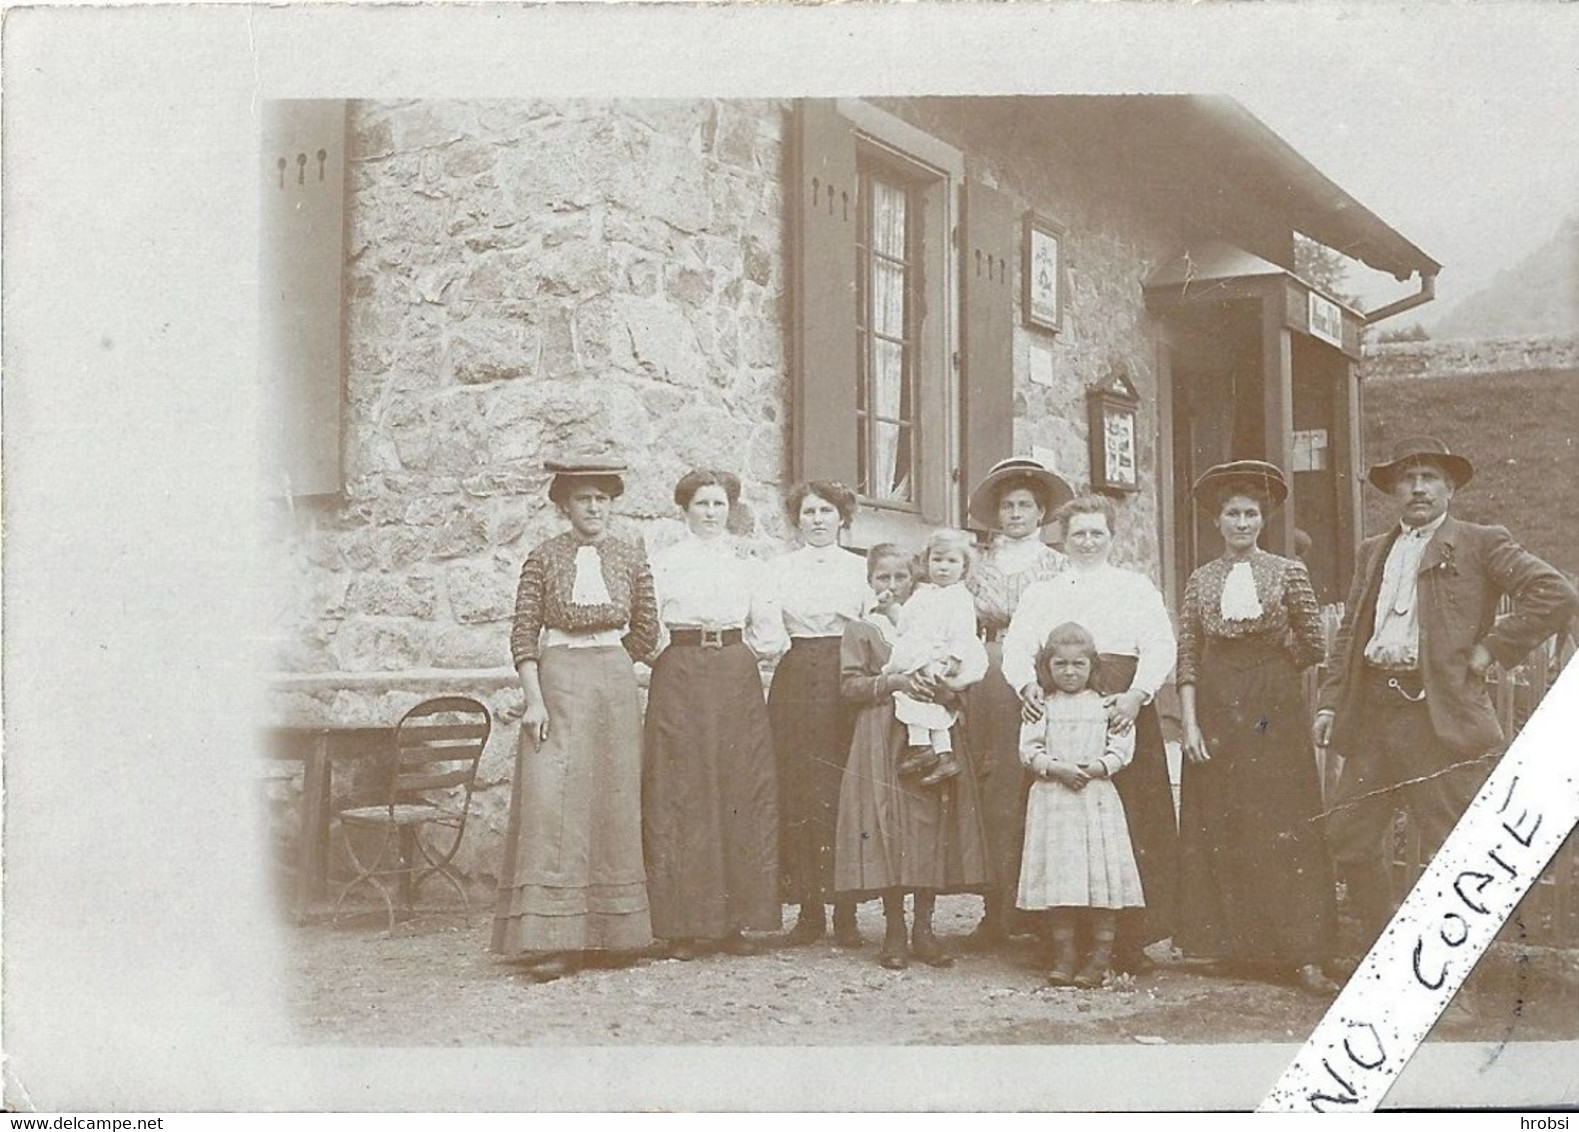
(433, 981)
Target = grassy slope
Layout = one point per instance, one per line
(1521, 431)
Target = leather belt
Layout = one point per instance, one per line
(704, 638)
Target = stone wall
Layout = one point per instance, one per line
(1388, 360)
(526, 277)
(522, 278)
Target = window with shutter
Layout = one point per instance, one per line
(877, 400)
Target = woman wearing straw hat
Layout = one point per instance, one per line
(573, 879)
(1015, 500)
(1256, 884)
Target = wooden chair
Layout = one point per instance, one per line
(438, 745)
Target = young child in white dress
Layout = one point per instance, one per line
(937, 637)
(1077, 859)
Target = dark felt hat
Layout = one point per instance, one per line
(1257, 473)
(984, 496)
(1415, 450)
(570, 468)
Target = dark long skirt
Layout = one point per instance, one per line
(992, 721)
(1257, 883)
(709, 808)
(572, 876)
(1147, 792)
(811, 739)
(894, 832)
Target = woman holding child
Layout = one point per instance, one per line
(896, 835)
(1124, 613)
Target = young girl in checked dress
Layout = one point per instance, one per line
(1077, 863)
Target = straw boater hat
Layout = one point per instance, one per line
(581, 467)
(984, 498)
(1415, 450)
(1267, 477)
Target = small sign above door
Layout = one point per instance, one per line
(1309, 450)
(1326, 320)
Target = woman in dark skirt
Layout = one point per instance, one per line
(894, 834)
(1016, 499)
(1257, 887)
(709, 795)
(1124, 612)
(572, 880)
(821, 587)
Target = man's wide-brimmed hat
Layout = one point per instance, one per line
(581, 467)
(1416, 450)
(984, 496)
(1255, 473)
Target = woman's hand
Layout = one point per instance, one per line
(1071, 776)
(1122, 710)
(1093, 770)
(1031, 700)
(923, 687)
(534, 721)
(1321, 730)
(1195, 743)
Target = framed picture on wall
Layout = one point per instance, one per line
(1043, 272)
(1113, 406)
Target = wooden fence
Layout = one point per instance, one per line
(1549, 914)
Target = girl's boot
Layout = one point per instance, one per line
(896, 947)
(845, 933)
(1097, 962)
(1062, 972)
(923, 944)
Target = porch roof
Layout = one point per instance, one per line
(1210, 158)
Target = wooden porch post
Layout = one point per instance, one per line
(1277, 372)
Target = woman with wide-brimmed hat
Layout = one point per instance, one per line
(573, 879)
(1256, 883)
(709, 782)
(1015, 500)
(1124, 611)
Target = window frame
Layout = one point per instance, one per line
(938, 170)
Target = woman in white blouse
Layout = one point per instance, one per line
(1124, 612)
(709, 805)
(821, 588)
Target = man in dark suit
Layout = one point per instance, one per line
(1405, 700)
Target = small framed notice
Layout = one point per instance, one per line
(1043, 270)
(1326, 320)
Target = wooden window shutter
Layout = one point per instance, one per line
(301, 263)
(823, 343)
(989, 269)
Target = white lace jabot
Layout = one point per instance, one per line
(589, 587)
(1240, 601)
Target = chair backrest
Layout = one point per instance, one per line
(437, 745)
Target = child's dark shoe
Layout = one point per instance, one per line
(947, 768)
(918, 760)
(925, 947)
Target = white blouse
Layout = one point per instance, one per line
(1121, 610)
(820, 589)
(717, 584)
